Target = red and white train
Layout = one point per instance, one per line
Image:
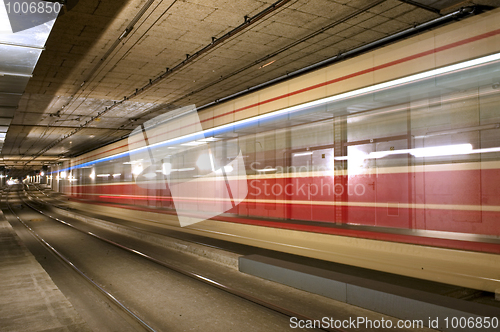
(389, 161)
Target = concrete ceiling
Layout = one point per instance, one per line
(93, 59)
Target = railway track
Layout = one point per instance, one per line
(254, 311)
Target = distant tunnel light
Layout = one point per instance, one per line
(92, 175)
(117, 175)
(103, 175)
(62, 175)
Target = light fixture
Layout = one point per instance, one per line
(15, 74)
(193, 143)
(183, 169)
(302, 154)
(432, 151)
(209, 139)
(267, 64)
(266, 170)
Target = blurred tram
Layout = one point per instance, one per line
(390, 161)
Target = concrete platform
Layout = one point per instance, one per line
(404, 302)
(29, 299)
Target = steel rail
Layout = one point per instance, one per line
(127, 226)
(80, 272)
(193, 275)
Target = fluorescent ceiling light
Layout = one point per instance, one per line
(183, 169)
(302, 154)
(193, 143)
(209, 139)
(267, 64)
(266, 170)
(432, 151)
(15, 74)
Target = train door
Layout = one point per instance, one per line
(361, 185)
(311, 187)
(321, 185)
(378, 183)
(298, 186)
(393, 184)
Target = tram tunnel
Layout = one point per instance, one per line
(250, 165)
